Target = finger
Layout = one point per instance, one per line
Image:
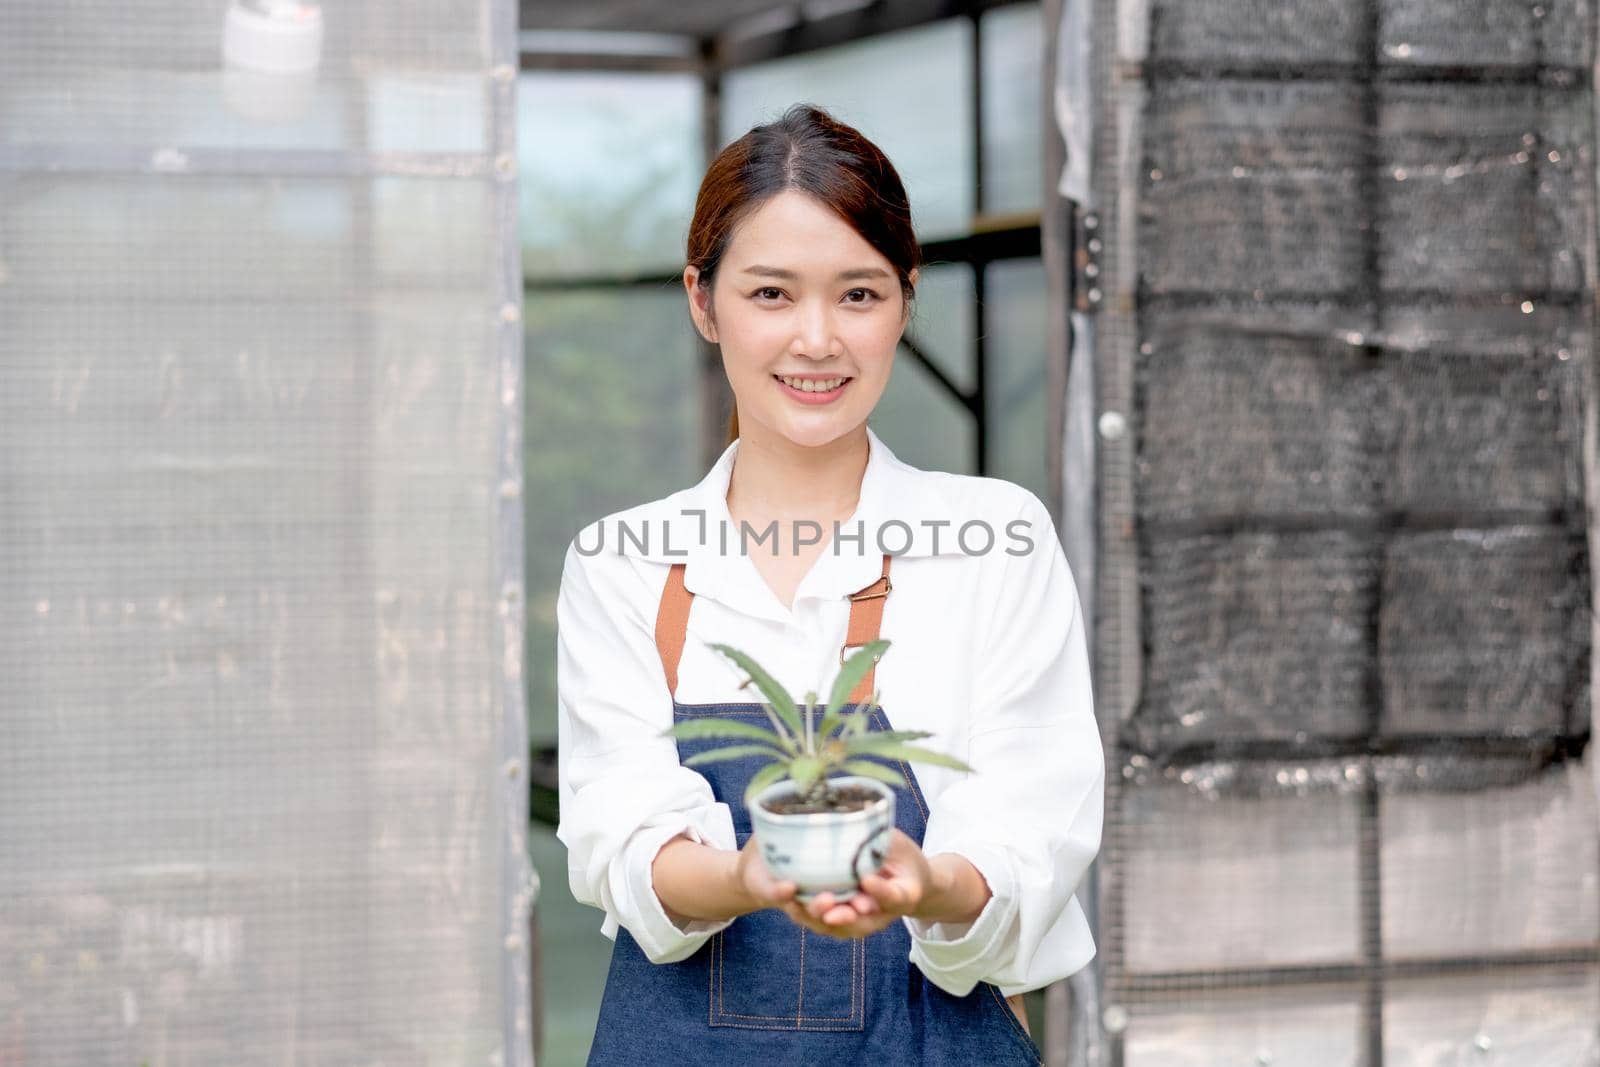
(820, 904)
(886, 892)
(773, 894)
(863, 926)
(865, 904)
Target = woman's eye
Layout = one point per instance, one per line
(759, 293)
(868, 296)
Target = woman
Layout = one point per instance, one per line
(802, 267)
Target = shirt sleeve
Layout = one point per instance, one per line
(1029, 816)
(623, 792)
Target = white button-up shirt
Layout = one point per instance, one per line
(987, 652)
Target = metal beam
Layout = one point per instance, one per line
(735, 49)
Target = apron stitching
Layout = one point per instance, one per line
(800, 1003)
(858, 983)
(857, 958)
(1011, 1017)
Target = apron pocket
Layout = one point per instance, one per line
(768, 973)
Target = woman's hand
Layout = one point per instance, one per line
(756, 881)
(945, 888)
(695, 881)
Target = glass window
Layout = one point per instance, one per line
(613, 412)
(575, 955)
(426, 111)
(941, 322)
(1015, 352)
(924, 425)
(910, 92)
(1012, 56)
(610, 164)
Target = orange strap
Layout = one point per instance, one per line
(672, 625)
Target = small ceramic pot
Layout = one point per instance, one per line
(826, 851)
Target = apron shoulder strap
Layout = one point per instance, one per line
(672, 625)
(866, 618)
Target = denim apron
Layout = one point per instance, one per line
(766, 990)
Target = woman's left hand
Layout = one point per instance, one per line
(896, 890)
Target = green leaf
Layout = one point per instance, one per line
(830, 723)
(891, 735)
(703, 729)
(763, 778)
(855, 668)
(875, 746)
(776, 695)
(875, 770)
(805, 770)
(728, 752)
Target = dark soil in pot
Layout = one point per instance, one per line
(837, 799)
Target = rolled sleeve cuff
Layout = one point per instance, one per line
(659, 938)
(957, 956)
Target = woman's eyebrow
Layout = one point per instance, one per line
(844, 275)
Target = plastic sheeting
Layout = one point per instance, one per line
(262, 741)
(1342, 373)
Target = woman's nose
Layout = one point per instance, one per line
(814, 331)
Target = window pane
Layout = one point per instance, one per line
(1012, 52)
(612, 419)
(924, 125)
(610, 165)
(426, 111)
(574, 957)
(99, 77)
(1017, 400)
(941, 322)
(922, 423)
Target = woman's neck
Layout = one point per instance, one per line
(775, 479)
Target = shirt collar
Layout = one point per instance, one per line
(900, 511)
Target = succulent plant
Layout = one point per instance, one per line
(804, 747)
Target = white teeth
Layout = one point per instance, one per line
(809, 386)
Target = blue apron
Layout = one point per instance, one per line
(766, 990)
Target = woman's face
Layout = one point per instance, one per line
(800, 294)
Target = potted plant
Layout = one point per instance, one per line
(821, 809)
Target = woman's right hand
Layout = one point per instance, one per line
(696, 881)
(757, 882)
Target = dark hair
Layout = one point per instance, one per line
(809, 151)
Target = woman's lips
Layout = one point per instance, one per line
(813, 398)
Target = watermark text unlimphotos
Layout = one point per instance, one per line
(975, 537)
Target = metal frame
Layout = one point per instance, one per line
(519, 957)
(993, 238)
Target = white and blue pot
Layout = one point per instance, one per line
(824, 851)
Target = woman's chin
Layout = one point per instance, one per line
(813, 430)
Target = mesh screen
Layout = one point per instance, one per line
(1344, 635)
(259, 377)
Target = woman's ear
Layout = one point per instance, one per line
(699, 304)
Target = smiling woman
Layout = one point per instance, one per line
(811, 177)
(802, 265)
